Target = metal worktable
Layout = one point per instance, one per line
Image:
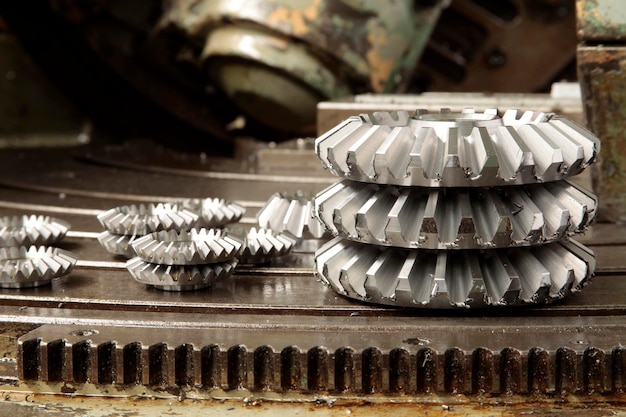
(274, 332)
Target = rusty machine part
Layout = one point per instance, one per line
(601, 60)
(504, 46)
(31, 230)
(277, 60)
(440, 218)
(22, 267)
(290, 213)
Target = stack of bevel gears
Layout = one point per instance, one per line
(26, 260)
(456, 209)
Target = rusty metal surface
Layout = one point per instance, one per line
(602, 71)
(601, 20)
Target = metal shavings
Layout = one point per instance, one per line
(457, 149)
(464, 278)
(214, 212)
(143, 219)
(179, 277)
(198, 246)
(444, 218)
(31, 230)
(290, 213)
(22, 267)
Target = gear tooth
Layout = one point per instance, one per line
(326, 259)
(502, 286)
(30, 230)
(526, 218)
(330, 139)
(534, 277)
(555, 214)
(382, 275)
(212, 212)
(292, 213)
(578, 134)
(22, 267)
(547, 157)
(142, 219)
(262, 245)
(561, 274)
(361, 154)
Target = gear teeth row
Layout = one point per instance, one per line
(290, 214)
(198, 246)
(25, 267)
(457, 149)
(143, 219)
(31, 230)
(444, 218)
(179, 277)
(414, 278)
(214, 212)
(262, 245)
(118, 244)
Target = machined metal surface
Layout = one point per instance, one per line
(142, 219)
(463, 149)
(290, 213)
(261, 245)
(214, 212)
(413, 278)
(31, 230)
(195, 247)
(118, 244)
(179, 277)
(443, 218)
(26, 267)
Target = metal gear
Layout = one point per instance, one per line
(417, 278)
(214, 212)
(463, 149)
(31, 230)
(25, 267)
(143, 219)
(195, 247)
(290, 213)
(118, 244)
(263, 244)
(179, 277)
(444, 218)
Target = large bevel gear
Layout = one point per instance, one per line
(290, 213)
(179, 277)
(31, 230)
(143, 219)
(195, 247)
(445, 218)
(464, 278)
(463, 149)
(22, 267)
(214, 212)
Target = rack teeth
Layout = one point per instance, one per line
(414, 217)
(263, 244)
(31, 230)
(198, 246)
(179, 277)
(214, 212)
(457, 149)
(143, 219)
(414, 278)
(22, 267)
(290, 214)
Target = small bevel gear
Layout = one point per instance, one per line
(118, 244)
(143, 219)
(446, 218)
(25, 267)
(262, 245)
(292, 213)
(214, 212)
(463, 149)
(179, 277)
(195, 247)
(463, 278)
(31, 230)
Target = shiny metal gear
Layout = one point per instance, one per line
(143, 219)
(290, 213)
(263, 244)
(179, 277)
(440, 279)
(459, 218)
(195, 247)
(214, 212)
(31, 230)
(26, 267)
(465, 149)
(118, 244)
